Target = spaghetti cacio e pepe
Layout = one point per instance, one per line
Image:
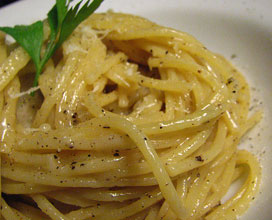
(131, 120)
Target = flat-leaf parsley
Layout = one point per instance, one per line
(62, 20)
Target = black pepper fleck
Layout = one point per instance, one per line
(74, 115)
(199, 158)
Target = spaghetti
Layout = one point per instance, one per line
(132, 120)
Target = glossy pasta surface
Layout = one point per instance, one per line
(131, 120)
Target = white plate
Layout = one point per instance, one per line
(240, 27)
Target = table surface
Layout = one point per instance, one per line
(6, 2)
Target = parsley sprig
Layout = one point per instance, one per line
(62, 19)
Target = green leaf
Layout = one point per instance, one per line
(30, 37)
(62, 9)
(75, 16)
(62, 23)
(52, 18)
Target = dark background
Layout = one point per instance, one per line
(6, 2)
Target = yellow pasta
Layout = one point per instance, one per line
(131, 120)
